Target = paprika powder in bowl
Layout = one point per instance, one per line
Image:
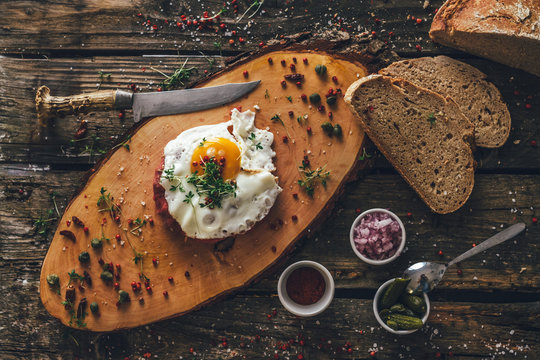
(377, 236)
(306, 288)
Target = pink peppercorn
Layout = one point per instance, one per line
(283, 63)
(293, 67)
(270, 61)
(334, 79)
(285, 139)
(305, 60)
(291, 113)
(303, 97)
(245, 73)
(283, 83)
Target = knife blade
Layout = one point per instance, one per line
(181, 101)
(143, 104)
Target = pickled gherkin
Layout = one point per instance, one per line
(393, 292)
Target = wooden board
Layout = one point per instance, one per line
(128, 174)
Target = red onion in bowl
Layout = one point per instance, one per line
(377, 236)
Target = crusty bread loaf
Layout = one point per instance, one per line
(424, 135)
(506, 31)
(478, 99)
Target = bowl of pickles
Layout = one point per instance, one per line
(398, 311)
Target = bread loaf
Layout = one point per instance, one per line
(478, 99)
(424, 135)
(506, 31)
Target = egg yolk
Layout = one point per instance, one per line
(224, 151)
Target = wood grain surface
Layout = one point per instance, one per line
(490, 311)
(128, 174)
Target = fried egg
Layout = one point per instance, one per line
(218, 178)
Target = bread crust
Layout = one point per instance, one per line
(506, 31)
(467, 137)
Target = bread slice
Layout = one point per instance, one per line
(478, 99)
(506, 31)
(424, 135)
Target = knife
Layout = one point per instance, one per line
(143, 104)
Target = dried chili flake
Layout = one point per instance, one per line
(68, 234)
(294, 77)
(82, 130)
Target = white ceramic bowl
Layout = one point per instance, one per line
(379, 295)
(306, 310)
(372, 261)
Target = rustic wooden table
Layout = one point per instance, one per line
(489, 310)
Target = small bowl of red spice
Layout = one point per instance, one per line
(306, 288)
(377, 236)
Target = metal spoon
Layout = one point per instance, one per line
(426, 275)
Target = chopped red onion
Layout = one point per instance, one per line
(377, 236)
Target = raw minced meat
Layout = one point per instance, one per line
(377, 236)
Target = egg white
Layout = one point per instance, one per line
(257, 188)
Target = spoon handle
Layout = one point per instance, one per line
(492, 241)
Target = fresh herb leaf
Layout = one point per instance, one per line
(210, 185)
(311, 177)
(202, 142)
(176, 181)
(106, 203)
(188, 197)
(289, 98)
(90, 149)
(431, 119)
(178, 77)
(139, 223)
(73, 276)
(138, 259)
(266, 94)
(277, 118)
(103, 76)
(364, 155)
(258, 145)
(254, 3)
(42, 224)
(124, 144)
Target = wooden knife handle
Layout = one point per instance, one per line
(48, 106)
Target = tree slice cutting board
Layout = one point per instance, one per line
(192, 272)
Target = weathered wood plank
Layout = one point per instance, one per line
(19, 80)
(34, 27)
(256, 327)
(497, 200)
